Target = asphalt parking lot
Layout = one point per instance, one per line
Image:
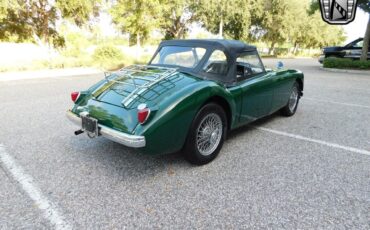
(309, 171)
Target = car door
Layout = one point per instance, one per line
(354, 49)
(282, 84)
(256, 85)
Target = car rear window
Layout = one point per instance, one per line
(188, 57)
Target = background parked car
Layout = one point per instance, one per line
(352, 50)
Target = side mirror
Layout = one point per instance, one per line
(279, 65)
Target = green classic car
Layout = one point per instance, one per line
(191, 93)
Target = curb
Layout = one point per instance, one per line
(364, 72)
(48, 73)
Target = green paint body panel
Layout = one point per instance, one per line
(173, 110)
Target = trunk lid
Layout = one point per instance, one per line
(140, 84)
(115, 102)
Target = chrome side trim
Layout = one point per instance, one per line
(114, 135)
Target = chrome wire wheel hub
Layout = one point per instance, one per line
(209, 133)
(293, 100)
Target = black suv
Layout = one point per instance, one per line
(353, 50)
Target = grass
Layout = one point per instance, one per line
(82, 61)
(110, 56)
(345, 63)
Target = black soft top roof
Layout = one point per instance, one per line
(229, 46)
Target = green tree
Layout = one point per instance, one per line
(137, 17)
(321, 34)
(80, 11)
(276, 22)
(227, 18)
(4, 5)
(301, 28)
(35, 20)
(176, 16)
(25, 20)
(310, 31)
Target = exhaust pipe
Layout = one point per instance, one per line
(78, 132)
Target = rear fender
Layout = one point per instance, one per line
(166, 132)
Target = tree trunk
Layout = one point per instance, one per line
(272, 47)
(138, 40)
(221, 28)
(365, 48)
(295, 48)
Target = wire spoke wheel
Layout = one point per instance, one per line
(293, 100)
(209, 134)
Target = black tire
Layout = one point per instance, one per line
(289, 110)
(198, 130)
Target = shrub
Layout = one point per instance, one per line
(281, 51)
(76, 45)
(108, 57)
(345, 63)
(107, 53)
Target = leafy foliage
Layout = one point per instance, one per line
(276, 12)
(80, 11)
(136, 17)
(272, 21)
(107, 53)
(364, 5)
(30, 19)
(231, 19)
(108, 57)
(343, 63)
(76, 44)
(176, 16)
(35, 20)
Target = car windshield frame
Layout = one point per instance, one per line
(351, 44)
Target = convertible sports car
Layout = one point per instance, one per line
(191, 93)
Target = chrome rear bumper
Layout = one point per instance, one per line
(114, 135)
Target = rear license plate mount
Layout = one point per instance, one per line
(90, 125)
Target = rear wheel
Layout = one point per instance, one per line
(206, 135)
(292, 105)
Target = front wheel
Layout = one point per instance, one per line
(206, 135)
(291, 107)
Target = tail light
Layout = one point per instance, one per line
(75, 96)
(143, 113)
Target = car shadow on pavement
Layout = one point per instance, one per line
(129, 164)
(245, 128)
(126, 163)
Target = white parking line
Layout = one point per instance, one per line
(27, 183)
(338, 103)
(363, 90)
(333, 145)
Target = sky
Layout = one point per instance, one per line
(356, 28)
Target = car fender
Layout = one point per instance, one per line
(167, 129)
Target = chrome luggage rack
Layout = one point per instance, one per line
(133, 72)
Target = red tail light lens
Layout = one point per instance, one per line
(142, 113)
(74, 96)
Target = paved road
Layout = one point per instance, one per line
(310, 171)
